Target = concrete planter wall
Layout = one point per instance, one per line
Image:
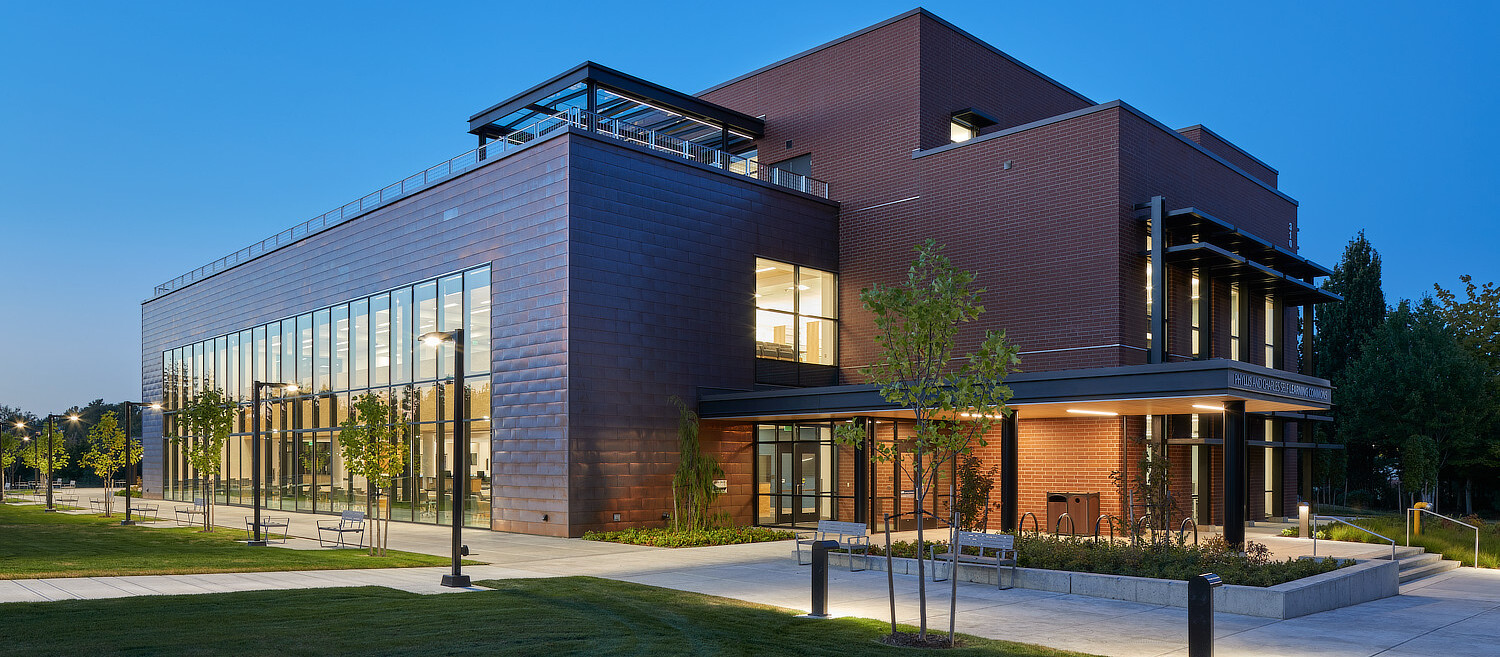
(1362, 582)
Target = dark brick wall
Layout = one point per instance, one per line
(661, 274)
(1221, 147)
(511, 213)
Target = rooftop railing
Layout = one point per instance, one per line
(575, 118)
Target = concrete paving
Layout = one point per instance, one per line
(1455, 614)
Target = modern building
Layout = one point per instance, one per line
(612, 243)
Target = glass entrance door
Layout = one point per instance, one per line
(799, 482)
(797, 469)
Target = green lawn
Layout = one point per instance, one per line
(37, 544)
(1455, 542)
(549, 617)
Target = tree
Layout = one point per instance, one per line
(108, 452)
(1342, 329)
(367, 442)
(1419, 464)
(693, 488)
(10, 454)
(208, 417)
(973, 500)
(955, 401)
(1475, 320)
(36, 455)
(1413, 379)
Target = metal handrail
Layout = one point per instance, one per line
(1314, 531)
(1181, 533)
(1035, 528)
(1102, 518)
(1072, 528)
(1476, 530)
(469, 160)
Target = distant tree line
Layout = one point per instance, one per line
(75, 438)
(1416, 392)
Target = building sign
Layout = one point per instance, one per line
(1280, 387)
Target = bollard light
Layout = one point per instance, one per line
(1201, 614)
(820, 551)
(1304, 513)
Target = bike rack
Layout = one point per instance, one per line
(1102, 518)
(1072, 529)
(1035, 529)
(1135, 529)
(1181, 533)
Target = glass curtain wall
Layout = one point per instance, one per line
(336, 355)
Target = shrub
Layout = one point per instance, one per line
(668, 537)
(1161, 560)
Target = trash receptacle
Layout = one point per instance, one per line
(1084, 509)
(1057, 504)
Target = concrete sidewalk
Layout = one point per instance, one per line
(1456, 614)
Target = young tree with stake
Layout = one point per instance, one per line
(209, 417)
(955, 400)
(107, 454)
(369, 449)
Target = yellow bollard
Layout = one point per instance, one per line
(1416, 522)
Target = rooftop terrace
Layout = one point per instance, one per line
(508, 139)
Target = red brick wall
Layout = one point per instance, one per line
(733, 445)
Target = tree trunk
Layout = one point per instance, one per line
(921, 575)
(1469, 496)
(369, 507)
(109, 493)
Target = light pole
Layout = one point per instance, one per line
(130, 406)
(255, 387)
(460, 452)
(52, 428)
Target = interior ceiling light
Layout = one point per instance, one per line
(1208, 407)
(789, 288)
(1085, 411)
(763, 270)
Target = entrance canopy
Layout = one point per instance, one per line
(1158, 389)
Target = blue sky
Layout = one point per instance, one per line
(142, 140)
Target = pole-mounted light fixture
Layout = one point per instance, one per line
(460, 452)
(129, 406)
(255, 388)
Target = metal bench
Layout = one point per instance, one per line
(1003, 545)
(268, 523)
(143, 510)
(850, 536)
(349, 522)
(186, 515)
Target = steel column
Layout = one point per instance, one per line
(1158, 352)
(1234, 473)
(1009, 471)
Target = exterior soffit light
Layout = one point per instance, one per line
(1208, 407)
(1085, 411)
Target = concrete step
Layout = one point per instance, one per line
(1419, 560)
(1413, 574)
(1403, 552)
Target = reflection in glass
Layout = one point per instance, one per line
(335, 354)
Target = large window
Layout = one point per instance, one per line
(1235, 351)
(336, 354)
(1271, 332)
(796, 313)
